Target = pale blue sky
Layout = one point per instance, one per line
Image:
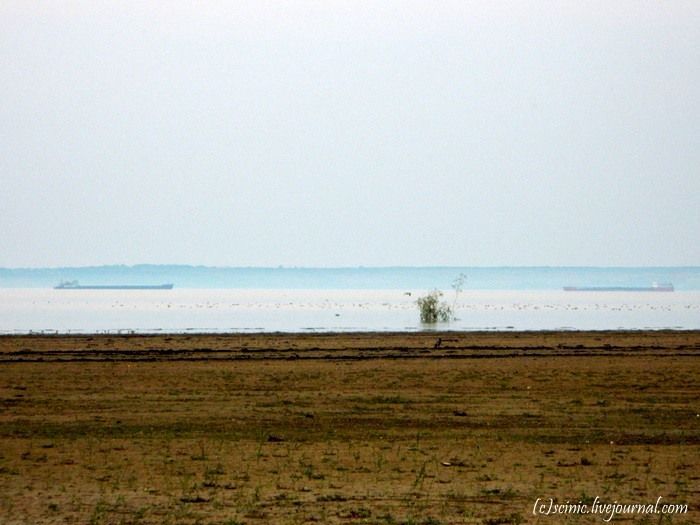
(350, 133)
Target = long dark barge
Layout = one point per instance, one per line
(656, 287)
(75, 285)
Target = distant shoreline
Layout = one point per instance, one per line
(359, 277)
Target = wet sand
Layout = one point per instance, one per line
(346, 346)
(421, 428)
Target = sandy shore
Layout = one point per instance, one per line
(424, 428)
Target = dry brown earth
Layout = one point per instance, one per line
(347, 428)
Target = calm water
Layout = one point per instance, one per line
(25, 310)
(209, 299)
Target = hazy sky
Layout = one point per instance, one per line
(333, 133)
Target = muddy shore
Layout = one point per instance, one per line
(420, 428)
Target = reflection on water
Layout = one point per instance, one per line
(231, 310)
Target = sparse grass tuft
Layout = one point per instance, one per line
(511, 519)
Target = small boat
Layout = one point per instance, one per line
(655, 287)
(75, 285)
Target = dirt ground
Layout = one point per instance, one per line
(412, 428)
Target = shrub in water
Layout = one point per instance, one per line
(432, 310)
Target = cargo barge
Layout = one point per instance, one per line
(655, 287)
(75, 285)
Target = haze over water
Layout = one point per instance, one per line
(309, 133)
(348, 299)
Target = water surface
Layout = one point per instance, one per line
(24, 310)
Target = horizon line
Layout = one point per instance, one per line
(343, 267)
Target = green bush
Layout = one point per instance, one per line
(432, 310)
